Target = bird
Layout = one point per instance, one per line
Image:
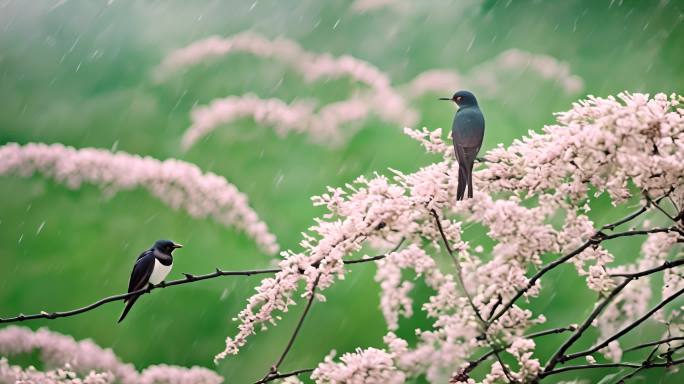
(151, 267)
(467, 133)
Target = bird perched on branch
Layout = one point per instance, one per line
(467, 132)
(151, 267)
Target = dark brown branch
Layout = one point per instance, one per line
(459, 276)
(286, 374)
(617, 365)
(591, 366)
(657, 342)
(186, 280)
(665, 265)
(658, 207)
(598, 238)
(473, 364)
(559, 356)
(628, 328)
(273, 373)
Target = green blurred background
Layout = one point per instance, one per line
(80, 73)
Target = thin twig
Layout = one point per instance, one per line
(459, 276)
(598, 238)
(626, 329)
(189, 278)
(286, 374)
(558, 356)
(658, 207)
(274, 369)
(613, 365)
(665, 265)
(657, 342)
(473, 364)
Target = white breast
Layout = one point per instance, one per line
(159, 272)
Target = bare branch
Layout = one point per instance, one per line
(558, 356)
(286, 374)
(628, 328)
(615, 365)
(657, 342)
(188, 279)
(273, 373)
(665, 265)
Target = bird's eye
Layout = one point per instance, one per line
(458, 98)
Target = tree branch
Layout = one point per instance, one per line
(665, 265)
(461, 282)
(596, 239)
(628, 328)
(558, 356)
(657, 342)
(613, 365)
(474, 364)
(189, 278)
(273, 373)
(286, 374)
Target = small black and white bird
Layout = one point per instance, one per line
(151, 267)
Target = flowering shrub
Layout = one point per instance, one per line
(534, 200)
(622, 147)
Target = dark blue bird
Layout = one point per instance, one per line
(151, 267)
(467, 133)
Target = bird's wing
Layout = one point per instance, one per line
(468, 128)
(142, 270)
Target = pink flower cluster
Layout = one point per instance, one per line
(179, 184)
(609, 143)
(75, 362)
(487, 75)
(324, 126)
(385, 101)
(606, 144)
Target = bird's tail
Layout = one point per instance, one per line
(129, 305)
(466, 161)
(470, 179)
(462, 182)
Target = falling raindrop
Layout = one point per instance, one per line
(40, 227)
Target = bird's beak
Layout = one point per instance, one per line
(176, 245)
(445, 98)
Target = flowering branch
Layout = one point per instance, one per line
(594, 240)
(273, 372)
(459, 276)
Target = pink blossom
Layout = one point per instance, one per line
(367, 366)
(178, 184)
(487, 75)
(324, 126)
(68, 359)
(531, 199)
(383, 99)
